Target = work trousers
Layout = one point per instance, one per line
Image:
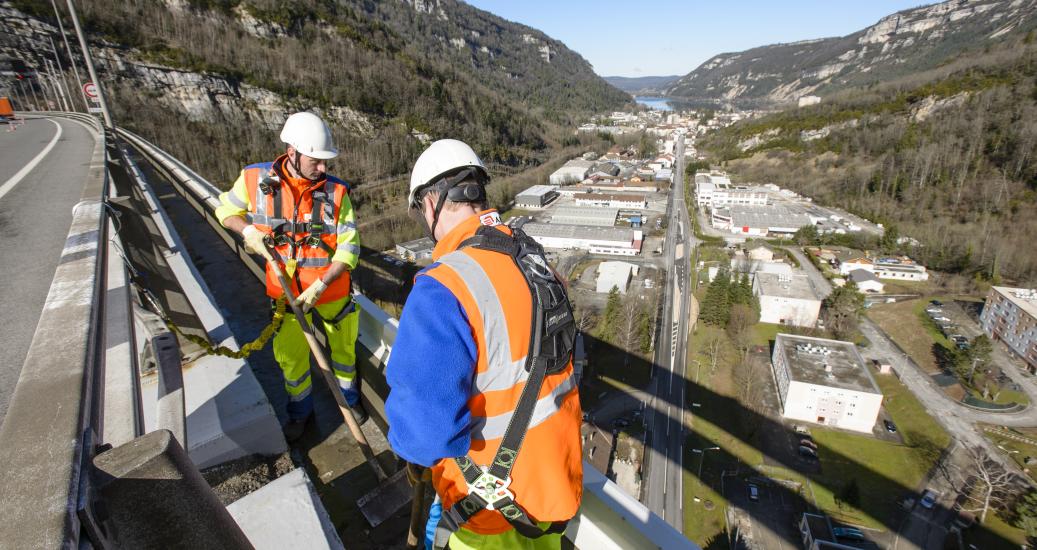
(464, 539)
(293, 354)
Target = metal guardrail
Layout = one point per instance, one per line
(609, 518)
(49, 435)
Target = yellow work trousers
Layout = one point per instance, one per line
(293, 354)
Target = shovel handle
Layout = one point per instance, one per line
(325, 367)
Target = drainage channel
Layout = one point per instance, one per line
(327, 451)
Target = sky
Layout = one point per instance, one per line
(673, 37)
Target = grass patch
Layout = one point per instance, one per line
(884, 472)
(912, 419)
(736, 439)
(765, 333)
(994, 533)
(907, 324)
(1018, 451)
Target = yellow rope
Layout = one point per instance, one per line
(246, 350)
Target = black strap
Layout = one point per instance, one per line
(539, 365)
(349, 307)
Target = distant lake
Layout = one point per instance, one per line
(657, 103)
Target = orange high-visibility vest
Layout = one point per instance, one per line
(547, 478)
(279, 214)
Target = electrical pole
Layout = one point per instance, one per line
(61, 73)
(56, 82)
(32, 88)
(90, 66)
(71, 57)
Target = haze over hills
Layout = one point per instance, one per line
(642, 85)
(900, 44)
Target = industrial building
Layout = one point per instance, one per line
(418, 249)
(1010, 316)
(614, 274)
(536, 196)
(611, 200)
(616, 241)
(585, 215)
(787, 300)
(738, 196)
(866, 281)
(706, 183)
(898, 268)
(825, 382)
(574, 171)
(627, 186)
(758, 220)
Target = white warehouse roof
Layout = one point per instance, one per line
(614, 274)
(576, 215)
(538, 191)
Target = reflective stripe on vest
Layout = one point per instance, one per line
(547, 476)
(270, 212)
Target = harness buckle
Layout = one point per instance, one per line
(313, 241)
(491, 488)
(269, 185)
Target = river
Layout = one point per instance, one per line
(657, 103)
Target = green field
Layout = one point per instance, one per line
(884, 471)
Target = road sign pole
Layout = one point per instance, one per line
(90, 65)
(71, 57)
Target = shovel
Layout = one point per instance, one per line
(392, 492)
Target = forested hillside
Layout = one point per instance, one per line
(948, 157)
(212, 80)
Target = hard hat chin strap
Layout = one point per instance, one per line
(453, 190)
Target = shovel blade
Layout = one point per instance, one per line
(385, 500)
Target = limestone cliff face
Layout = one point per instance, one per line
(197, 96)
(897, 45)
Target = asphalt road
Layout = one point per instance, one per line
(35, 215)
(664, 480)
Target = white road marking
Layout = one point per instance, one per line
(15, 179)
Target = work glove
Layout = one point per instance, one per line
(416, 473)
(254, 241)
(309, 297)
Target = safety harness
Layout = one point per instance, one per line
(270, 185)
(550, 350)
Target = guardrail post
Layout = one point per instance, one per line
(152, 496)
(171, 409)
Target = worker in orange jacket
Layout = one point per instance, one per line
(464, 366)
(305, 214)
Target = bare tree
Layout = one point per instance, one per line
(715, 350)
(748, 377)
(628, 332)
(985, 482)
(584, 316)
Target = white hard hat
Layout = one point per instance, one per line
(441, 158)
(309, 135)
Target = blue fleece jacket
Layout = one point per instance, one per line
(430, 376)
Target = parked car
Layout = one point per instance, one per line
(936, 302)
(754, 492)
(928, 499)
(851, 533)
(801, 430)
(890, 426)
(808, 443)
(807, 452)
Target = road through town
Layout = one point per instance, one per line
(665, 442)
